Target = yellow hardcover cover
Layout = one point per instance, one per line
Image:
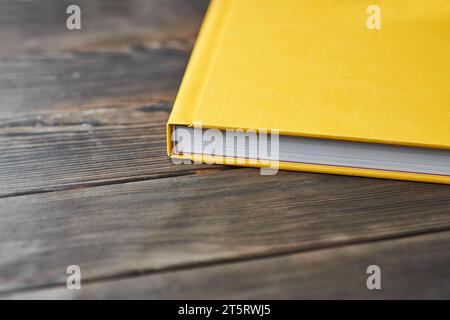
(314, 69)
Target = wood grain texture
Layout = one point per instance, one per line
(53, 82)
(89, 107)
(411, 268)
(107, 25)
(161, 224)
(125, 50)
(86, 147)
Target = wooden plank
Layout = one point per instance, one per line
(86, 146)
(411, 268)
(184, 221)
(128, 50)
(40, 25)
(54, 82)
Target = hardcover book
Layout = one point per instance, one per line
(343, 96)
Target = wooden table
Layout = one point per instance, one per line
(85, 181)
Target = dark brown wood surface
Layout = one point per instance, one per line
(320, 274)
(85, 180)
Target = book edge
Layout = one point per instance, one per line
(198, 70)
(319, 168)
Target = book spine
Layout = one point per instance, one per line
(199, 69)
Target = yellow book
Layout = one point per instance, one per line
(350, 87)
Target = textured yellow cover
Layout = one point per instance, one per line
(313, 69)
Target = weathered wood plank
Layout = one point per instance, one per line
(42, 83)
(128, 49)
(411, 268)
(89, 145)
(182, 221)
(40, 25)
